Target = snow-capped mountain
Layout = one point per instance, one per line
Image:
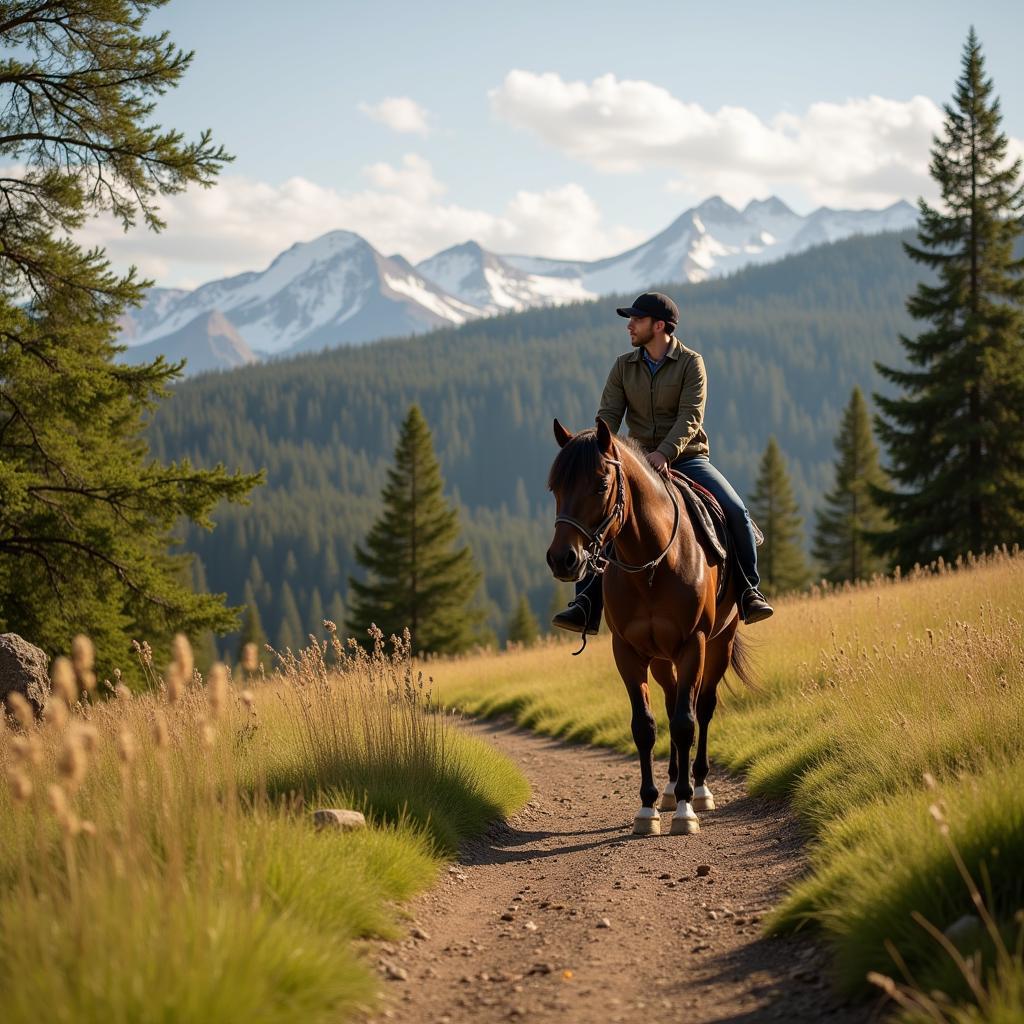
(334, 290)
(493, 285)
(714, 239)
(339, 290)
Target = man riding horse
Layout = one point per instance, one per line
(661, 388)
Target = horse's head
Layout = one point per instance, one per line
(587, 490)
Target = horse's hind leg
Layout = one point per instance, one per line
(633, 669)
(716, 661)
(664, 673)
(689, 672)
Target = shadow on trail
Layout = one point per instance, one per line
(505, 844)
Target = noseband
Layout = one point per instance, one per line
(594, 555)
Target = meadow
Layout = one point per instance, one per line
(891, 716)
(158, 861)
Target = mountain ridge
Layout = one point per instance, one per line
(337, 289)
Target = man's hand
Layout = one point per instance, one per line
(658, 462)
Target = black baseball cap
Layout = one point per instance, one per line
(661, 307)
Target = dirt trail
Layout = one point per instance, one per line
(563, 915)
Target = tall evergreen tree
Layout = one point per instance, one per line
(852, 514)
(290, 634)
(252, 627)
(417, 577)
(523, 627)
(956, 433)
(780, 559)
(87, 517)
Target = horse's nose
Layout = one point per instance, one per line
(565, 563)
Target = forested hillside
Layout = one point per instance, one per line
(784, 345)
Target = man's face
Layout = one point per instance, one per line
(641, 330)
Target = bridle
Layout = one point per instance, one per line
(595, 556)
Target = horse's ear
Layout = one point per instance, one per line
(604, 437)
(562, 436)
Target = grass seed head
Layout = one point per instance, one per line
(250, 657)
(20, 784)
(122, 691)
(55, 714)
(174, 682)
(181, 651)
(217, 688)
(27, 750)
(57, 800)
(62, 677)
(22, 710)
(83, 657)
(126, 748)
(73, 762)
(88, 735)
(161, 736)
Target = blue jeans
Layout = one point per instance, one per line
(589, 591)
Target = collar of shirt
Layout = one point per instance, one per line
(652, 365)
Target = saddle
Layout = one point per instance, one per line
(708, 519)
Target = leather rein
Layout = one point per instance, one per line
(594, 555)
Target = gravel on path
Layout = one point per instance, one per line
(562, 915)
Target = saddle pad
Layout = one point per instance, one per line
(715, 507)
(705, 513)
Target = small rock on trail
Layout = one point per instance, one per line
(624, 928)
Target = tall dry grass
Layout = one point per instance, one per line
(157, 857)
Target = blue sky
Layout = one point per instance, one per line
(570, 129)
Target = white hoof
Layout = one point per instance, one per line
(702, 799)
(668, 797)
(684, 821)
(647, 822)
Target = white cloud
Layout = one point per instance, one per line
(863, 152)
(400, 114)
(242, 224)
(413, 180)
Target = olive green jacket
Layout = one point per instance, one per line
(664, 411)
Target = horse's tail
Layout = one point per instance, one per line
(741, 662)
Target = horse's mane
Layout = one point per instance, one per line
(582, 455)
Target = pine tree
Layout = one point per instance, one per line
(417, 579)
(780, 559)
(87, 517)
(290, 634)
(523, 627)
(252, 628)
(852, 514)
(956, 433)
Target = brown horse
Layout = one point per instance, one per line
(660, 588)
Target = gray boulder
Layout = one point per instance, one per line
(23, 669)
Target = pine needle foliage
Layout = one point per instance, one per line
(851, 513)
(956, 433)
(780, 559)
(523, 627)
(418, 580)
(87, 518)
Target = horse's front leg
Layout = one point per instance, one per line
(633, 669)
(665, 674)
(689, 669)
(716, 661)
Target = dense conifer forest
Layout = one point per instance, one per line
(784, 346)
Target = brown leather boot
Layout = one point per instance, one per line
(754, 607)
